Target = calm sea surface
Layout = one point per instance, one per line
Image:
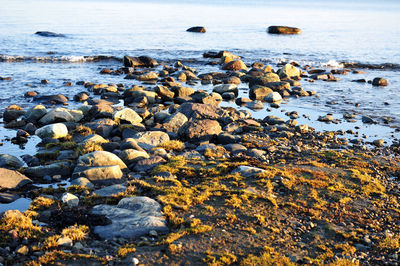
(333, 32)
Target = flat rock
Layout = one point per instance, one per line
(131, 218)
(103, 175)
(49, 34)
(198, 29)
(10, 162)
(131, 155)
(248, 171)
(283, 30)
(61, 168)
(10, 179)
(110, 190)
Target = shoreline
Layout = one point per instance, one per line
(219, 173)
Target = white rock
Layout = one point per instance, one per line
(70, 199)
(55, 131)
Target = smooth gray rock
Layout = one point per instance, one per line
(36, 112)
(61, 115)
(10, 161)
(248, 171)
(54, 131)
(130, 155)
(174, 122)
(149, 164)
(197, 130)
(104, 175)
(110, 190)
(82, 182)
(127, 115)
(100, 158)
(150, 139)
(61, 168)
(132, 217)
(10, 179)
(70, 199)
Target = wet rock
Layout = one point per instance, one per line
(54, 131)
(264, 79)
(12, 112)
(235, 65)
(61, 168)
(283, 30)
(199, 29)
(110, 190)
(141, 61)
(197, 130)
(10, 162)
(92, 139)
(49, 34)
(378, 142)
(127, 115)
(174, 122)
(289, 70)
(232, 80)
(326, 118)
(149, 140)
(5, 78)
(273, 97)
(101, 110)
(182, 91)
(8, 197)
(259, 92)
(242, 101)
(10, 179)
(255, 105)
(149, 164)
(248, 171)
(132, 217)
(81, 97)
(30, 94)
(368, 120)
(273, 120)
(148, 76)
(70, 199)
(35, 113)
(235, 148)
(379, 82)
(61, 115)
(226, 88)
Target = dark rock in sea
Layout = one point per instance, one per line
(60, 168)
(283, 30)
(12, 112)
(368, 120)
(8, 197)
(45, 81)
(30, 94)
(141, 61)
(10, 179)
(199, 29)
(380, 82)
(49, 34)
(10, 161)
(81, 97)
(359, 80)
(6, 78)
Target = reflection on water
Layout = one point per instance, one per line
(21, 204)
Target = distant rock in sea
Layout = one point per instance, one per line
(283, 30)
(49, 34)
(199, 29)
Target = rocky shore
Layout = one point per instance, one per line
(160, 173)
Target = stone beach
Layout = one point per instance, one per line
(164, 173)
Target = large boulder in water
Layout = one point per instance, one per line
(10, 161)
(10, 179)
(130, 218)
(199, 29)
(141, 61)
(283, 30)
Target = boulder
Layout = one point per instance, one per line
(82, 182)
(130, 143)
(235, 65)
(264, 79)
(100, 158)
(10, 162)
(174, 122)
(70, 199)
(150, 139)
(54, 131)
(10, 179)
(283, 30)
(248, 171)
(196, 130)
(130, 156)
(273, 97)
(259, 92)
(36, 112)
(182, 91)
(49, 34)
(255, 105)
(110, 190)
(201, 111)
(148, 76)
(141, 61)
(222, 88)
(130, 218)
(13, 112)
(379, 82)
(127, 115)
(289, 70)
(61, 168)
(61, 115)
(199, 29)
(103, 175)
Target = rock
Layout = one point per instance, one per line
(278, 86)
(132, 217)
(70, 199)
(283, 30)
(110, 190)
(103, 175)
(35, 113)
(30, 94)
(259, 92)
(141, 61)
(164, 92)
(13, 112)
(273, 120)
(149, 164)
(273, 97)
(101, 110)
(10, 179)
(199, 29)
(81, 97)
(174, 122)
(10, 162)
(149, 140)
(57, 99)
(61, 115)
(61, 168)
(100, 158)
(248, 171)
(255, 105)
(378, 142)
(368, 120)
(23, 250)
(54, 131)
(289, 70)
(202, 111)
(263, 80)
(49, 34)
(235, 148)
(148, 76)
(65, 241)
(235, 65)
(127, 115)
(379, 82)
(130, 143)
(200, 130)
(131, 156)
(226, 88)
(8, 197)
(182, 91)
(82, 182)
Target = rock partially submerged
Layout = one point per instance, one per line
(10, 179)
(49, 34)
(130, 218)
(283, 30)
(198, 29)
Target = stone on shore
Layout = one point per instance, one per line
(141, 61)
(70, 199)
(61, 168)
(100, 158)
(150, 139)
(131, 156)
(36, 112)
(10, 179)
(131, 218)
(103, 175)
(259, 92)
(273, 97)
(248, 171)
(196, 130)
(289, 70)
(127, 115)
(199, 29)
(283, 30)
(54, 131)
(10, 162)
(235, 65)
(110, 190)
